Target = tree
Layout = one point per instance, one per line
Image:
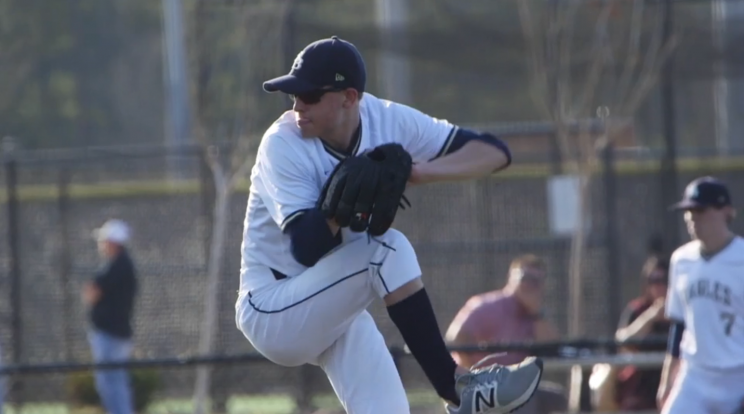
(57, 65)
(234, 46)
(575, 48)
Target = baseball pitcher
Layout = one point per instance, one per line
(317, 245)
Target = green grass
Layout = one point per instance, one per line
(242, 404)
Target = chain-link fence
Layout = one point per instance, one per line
(465, 235)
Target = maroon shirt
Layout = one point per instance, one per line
(493, 317)
(637, 387)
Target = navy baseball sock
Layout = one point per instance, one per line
(415, 319)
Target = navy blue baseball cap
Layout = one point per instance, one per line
(704, 192)
(326, 63)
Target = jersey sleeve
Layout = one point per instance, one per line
(674, 307)
(423, 136)
(284, 181)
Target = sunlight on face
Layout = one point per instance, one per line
(704, 221)
(529, 279)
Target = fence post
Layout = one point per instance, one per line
(304, 399)
(11, 187)
(668, 173)
(207, 199)
(207, 193)
(63, 180)
(488, 263)
(614, 285)
(556, 158)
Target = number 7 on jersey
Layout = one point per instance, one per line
(728, 322)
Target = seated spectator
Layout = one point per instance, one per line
(635, 388)
(509, 315)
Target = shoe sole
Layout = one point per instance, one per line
(521, 401)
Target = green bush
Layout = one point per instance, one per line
(145, 382)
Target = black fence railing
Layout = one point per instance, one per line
(26, 382)
(564, 348)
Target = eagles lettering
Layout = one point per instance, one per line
(716, 291)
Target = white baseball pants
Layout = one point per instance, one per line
(696, 390)
(319, 317)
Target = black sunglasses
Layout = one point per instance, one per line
(312, 97)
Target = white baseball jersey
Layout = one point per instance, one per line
(708, 296)
(290, 172)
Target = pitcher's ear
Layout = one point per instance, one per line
(351, 97)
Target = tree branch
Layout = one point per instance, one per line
(657, 55)
(563, 31)
(536, 57)
(599, 50)
(634, 47)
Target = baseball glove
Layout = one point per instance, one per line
(364, 192)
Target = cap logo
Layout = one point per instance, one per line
(297, 62)
(340, 77)
(692, 192)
